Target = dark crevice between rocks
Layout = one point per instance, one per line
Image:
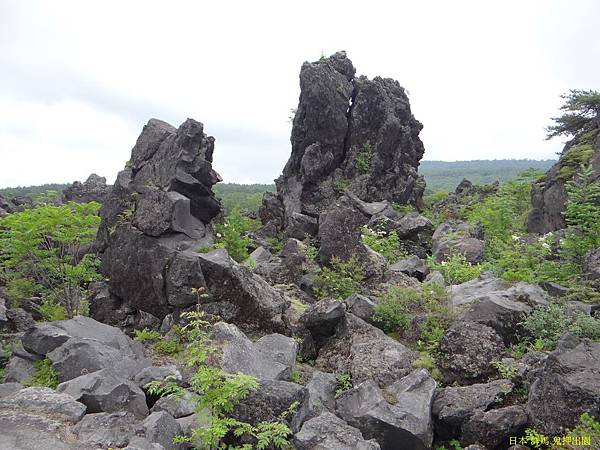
(351, 101)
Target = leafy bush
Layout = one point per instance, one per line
(167, 347)
(340, 280)
(391, 314)
(456, 269)
(340, 186)
(506, 371)
(231, 235)
(546, 325)
(386, 244)
(218, 392)
(51, 311)
(44, 375)
(146, 335)
(363, 158)
(39, 248)
(344, 383)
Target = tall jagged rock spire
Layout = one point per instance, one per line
(348, 133)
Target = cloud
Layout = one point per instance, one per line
(81, 78)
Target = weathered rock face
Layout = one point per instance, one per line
(570, 382)
(159, 207)
(548, 196)
(94, 189)
(348, 132)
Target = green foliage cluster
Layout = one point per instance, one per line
(385, 243)
(582, 114)
(344, 383)
(340, 186)
(578, 155)
(546, 325)
(339, 280)
(158, 343)
(456, 269)
(364, 158)
(216, 393)
(588, 428)
(231, 235)
(45, 375)
(32, 191)
(39, 250)
(506, 371)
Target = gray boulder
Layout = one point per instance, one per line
(365, 352)
(240, 354)
(453, 406)
(412, 266)
(20, 367)
(406, 425)
(156, 373)
(240, 297)
(141, 443)
(591, 266)
(570, 382)
(468, 350)
(495, 427)
(329, 432)
(106, 429)
(322, 319)
(320, 397)
(44, 401)
(269, 402)
(361, 306)
(176, 405)
(160, 428)
(9, 388)
(104, 391)
(495, 303)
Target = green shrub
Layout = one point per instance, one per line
(231, 235)
(45, 375)
(386, 244)
(546, 325)
(146, 335)
(340, 280)
(426, 361)
(392, 313)
(52, 311)
(340, 186)
(506, 371)
(570, 163)
(167, 347)
(363, 158)
(37, 248)
(456, 269)
(344, 383)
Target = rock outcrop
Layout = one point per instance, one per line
(94, 189)
(348, 133)
(549, 194)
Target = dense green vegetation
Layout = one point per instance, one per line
(31, 191)
(246, 197)
(42, 253)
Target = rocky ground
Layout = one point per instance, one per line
(324, 365)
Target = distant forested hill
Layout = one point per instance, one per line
(445, 175)
(439, 175)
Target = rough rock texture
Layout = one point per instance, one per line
(239, 296)
(329, 432)
(412, 266)
(272, 357)
(350, 133)
(160, 427)
(361, 306)
(405, 425)
(269, 401)
(158, 208)
(570, 382)
(176, 405)
(365, 352)
(494, 428)
(105, 391)
(156, 373)
(453, 406)
(495, 303)
(82, 345)
(320, 396)
(457, 237)
(106, 429)
(468, 350)
(591, 267)
(43, 400)
(548, 196)
(94, 189)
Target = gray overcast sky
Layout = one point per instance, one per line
(79, 79)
